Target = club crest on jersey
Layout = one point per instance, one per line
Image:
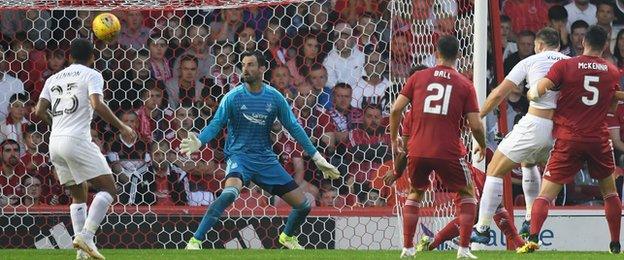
(269, 107)
(256, 118)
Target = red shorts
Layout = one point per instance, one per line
(454, 174)
(568, 157)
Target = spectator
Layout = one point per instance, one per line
(344, 116)
(159, 64)
(200, 49)
(225, 75)
(56, 62)
(275, 53)
(258, 17)
(401, 58)
(125, 89)
(38, 25)
(12, 127)
(12, 22)
(580, 10)
(350, 10)
(315, 121)
(185, 89)
(25, 62)
(281, 80)
(579, 28)
(171, 182)
(526, 48)
(308, 54)
(369, 197)
(154, 114)
(371, 87)
(317, 17)
(32, 191)
(369, 145)
(618, 51)
(509, 46)
(558, 19)
(9, 85)
(34, 160)
(344, 62)
(226, 28)
(245, 39)
(133, 33)
(330, 198)
(317, 76)
(12, 172)
(526, 15)
(130, 162)
(366, 29)
(605, 15)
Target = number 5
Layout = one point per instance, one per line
(587, 84)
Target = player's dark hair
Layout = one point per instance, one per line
(372, 106)
(81, 50)
(526, 33)
(18, 97)
(557, 13)
(418, 67)
(448, 47)
(342, 85)
(549, 36)
(505, 19)
(189, 57)
(596, 37)
(259, 57)
(605, 2)
(578, 24)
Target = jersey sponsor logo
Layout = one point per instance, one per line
(256, 118)
(547, 173)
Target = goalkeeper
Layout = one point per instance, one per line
(249, 111)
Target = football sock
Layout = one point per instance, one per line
(296, 217)
(490, 200)
(410, 222)
(227, 197)
(613, 213)
(531, 180)
(97, 212)
(503, 220)
(450, 231)
(78, 214)
(539, 212)
(467, 211)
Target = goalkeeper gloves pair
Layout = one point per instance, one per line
(192, 144)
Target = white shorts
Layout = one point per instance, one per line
(76, 160)
(530, 141)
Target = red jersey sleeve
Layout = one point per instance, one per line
(408, 88)
(612, 121)
(556, 73)
(471, 105)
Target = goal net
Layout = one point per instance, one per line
(339, 63)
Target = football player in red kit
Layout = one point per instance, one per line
(441, 100)
(587, 85)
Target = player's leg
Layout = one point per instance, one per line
(419, 170)
(531, 180)
(539, 213)
(492, 195)
(293, 195)
(231, 191)
(78, 211)
(601, 166)
(504, 221)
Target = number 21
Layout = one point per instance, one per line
(441, 92)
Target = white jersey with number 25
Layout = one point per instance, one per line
(68, 92)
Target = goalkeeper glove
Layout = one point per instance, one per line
(190, 144)
(329, 171)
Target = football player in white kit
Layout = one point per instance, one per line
(67, 102)
(529, 142)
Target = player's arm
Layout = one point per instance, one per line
(540, 89)
(289, 121)
(616, 139)
(500, 93)
(97, 102)
(619, 96)
(193, 142)
(478, 132)
(42, 110)
(396, 113)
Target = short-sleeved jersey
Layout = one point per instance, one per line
(440, 97)
(586, 85)
(531, 70)
(68, 91)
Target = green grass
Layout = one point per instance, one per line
(153, 254)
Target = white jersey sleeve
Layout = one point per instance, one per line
(45, 92)
(95, 83)
(518, 73)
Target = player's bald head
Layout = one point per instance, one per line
(595, 38)
(448, 47)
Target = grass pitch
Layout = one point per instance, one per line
(153, 254)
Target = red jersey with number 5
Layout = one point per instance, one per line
(440, 97)
(587, 85)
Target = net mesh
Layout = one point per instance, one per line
(166, 73)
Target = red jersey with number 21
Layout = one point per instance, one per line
(440, 97)
(587, 85)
